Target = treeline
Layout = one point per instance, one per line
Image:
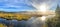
(13, 15)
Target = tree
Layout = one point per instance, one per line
(55, 21)
(57, 16)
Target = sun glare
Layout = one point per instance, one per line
(43, 18)
(43, 8)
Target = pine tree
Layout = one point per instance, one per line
(55, 22)
(57, 11)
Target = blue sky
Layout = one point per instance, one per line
(23, 5)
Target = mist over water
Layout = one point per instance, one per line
(34, 22)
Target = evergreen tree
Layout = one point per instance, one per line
(57, 11)
(55, 22)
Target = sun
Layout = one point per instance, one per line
(43, 8)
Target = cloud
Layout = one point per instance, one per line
(37, 3)
(14, 4)
(25, 4)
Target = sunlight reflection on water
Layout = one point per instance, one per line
(35, 22)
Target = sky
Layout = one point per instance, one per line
(24, 5)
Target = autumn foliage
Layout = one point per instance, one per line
(16, 16)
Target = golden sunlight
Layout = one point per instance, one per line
(43, 18)
(43, 8)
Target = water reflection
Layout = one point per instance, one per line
(32, 22)
(13, 23)
(35, 22)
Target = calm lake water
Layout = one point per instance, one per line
(33, 22)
